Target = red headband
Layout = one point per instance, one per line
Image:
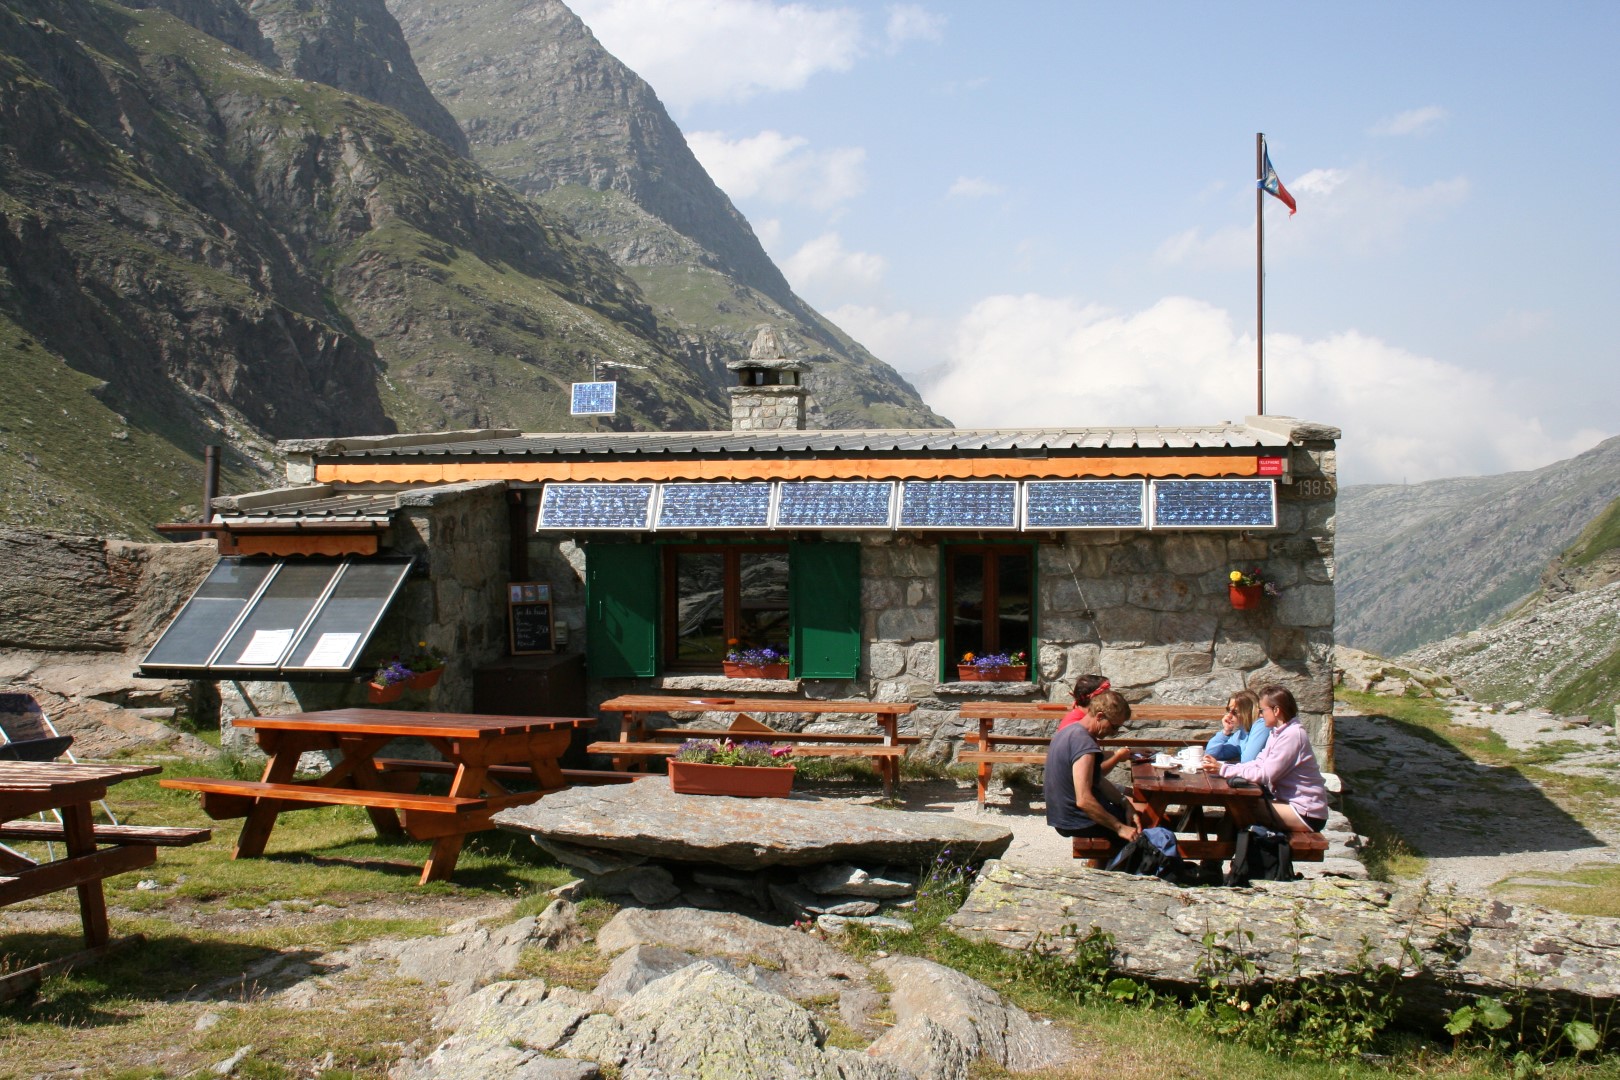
(1104, 685)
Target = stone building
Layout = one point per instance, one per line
(878, 558)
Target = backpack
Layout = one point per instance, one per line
(1153, 854)
(1260, 854)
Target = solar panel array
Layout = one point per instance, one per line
(715, 506)
(1085, 504)
(1007, 505)
(596, 506)
(1214, 504)
(594, 399)
(835, 504)
(959, 504)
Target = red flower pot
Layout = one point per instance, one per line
(754, 671)
(379, 694)
(739, 781)
(969, 673)
(425, 680)
(1244, 597)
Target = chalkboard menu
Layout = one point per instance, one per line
(528, 618)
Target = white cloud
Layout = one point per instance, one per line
(911, 344)
(1516, 325)
(912, 22)
(832, 273)
(973, 187)
(780, 168)
(1355, 210)
(1411, 122)
(1050, 361)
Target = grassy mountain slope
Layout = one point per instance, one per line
(1421, 562)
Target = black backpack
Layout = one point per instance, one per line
(1261, 854)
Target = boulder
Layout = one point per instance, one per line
(463, 961)
(647, 818)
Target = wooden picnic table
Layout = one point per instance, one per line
(637, 742)
(67, 791)
(473, 748)
(986, 748)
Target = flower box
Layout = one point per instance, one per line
(970, 673)
(739, 781)
(425, 680)
(754, 671)
(379, 694)
(1244, 597)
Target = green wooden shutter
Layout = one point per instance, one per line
(621, 610)
(824, 603)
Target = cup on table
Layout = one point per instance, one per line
(1190, 758)
(1162, 760)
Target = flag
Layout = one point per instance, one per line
(1271, 185)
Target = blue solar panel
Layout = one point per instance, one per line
(594, 399)
(714, 506)
(959, 504)
(1214, 504)
(859, 504)
(1085, 504)
(596, 506)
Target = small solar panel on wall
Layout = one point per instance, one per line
(1085, 504)
(714, 506)
(959, 504)
(1214, 504)
(835, 504)
(596, 506)
(593, 399)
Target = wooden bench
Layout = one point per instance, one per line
(403, 766)
(670, 749)
(1097, 850)
(156, 835)
(237, 797)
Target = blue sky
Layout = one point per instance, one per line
(1043, 213)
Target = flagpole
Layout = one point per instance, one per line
(1259, 275)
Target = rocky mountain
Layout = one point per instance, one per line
(232, 223)
(1420, 562)
(551, 113)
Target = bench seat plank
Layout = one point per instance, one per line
(160, 835)
(325, 796)
(653, 749)
(775, 736)
(438, 765)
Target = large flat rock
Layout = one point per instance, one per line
(646, 818)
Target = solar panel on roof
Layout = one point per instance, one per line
(1085, 504)
(714, 506)
(596, 506)
(835, 504)
(593, 399)
(959, 504)
(1214, 504)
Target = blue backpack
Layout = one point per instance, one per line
(1153, 853)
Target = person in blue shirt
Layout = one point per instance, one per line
(1240, 739)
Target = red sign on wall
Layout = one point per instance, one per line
(1270, 466)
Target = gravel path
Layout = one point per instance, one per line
(1480, 825)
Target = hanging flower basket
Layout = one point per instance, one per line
(754, 671)
(378, 694)
(973, 673)
(1244, 597)
(426, 680)
(738, 781)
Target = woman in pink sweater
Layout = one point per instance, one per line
(1287, 765)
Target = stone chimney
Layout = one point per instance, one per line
(767, 396)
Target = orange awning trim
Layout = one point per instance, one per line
(962, 468)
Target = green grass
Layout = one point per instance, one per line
(1593, 890)
(1599, 537)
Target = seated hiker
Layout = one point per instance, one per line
(1080, 801)
(1240, 738)
(1286, 766)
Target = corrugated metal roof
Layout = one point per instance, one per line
(939, 440)
(297, 507)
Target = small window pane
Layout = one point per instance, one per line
(967, 604)
(1012, 602)
(762, 599)
(700, 607)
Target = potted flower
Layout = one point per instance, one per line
(388, 684)
(741, 769)
(767, 662)
(427, 667)
(1246, 588)
(993, 667)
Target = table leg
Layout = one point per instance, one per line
(984, 766)
(280, 769)
(441, 860)
(78, 829)
(359, 763)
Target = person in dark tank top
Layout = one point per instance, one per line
(1080, 800)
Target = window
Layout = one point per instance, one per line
(989, 595)
(651, 608)
(716, 594)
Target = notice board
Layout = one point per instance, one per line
(528, 618)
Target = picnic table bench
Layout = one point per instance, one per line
(637, 742)
(69, 789)
(987, 747)
(480, 752)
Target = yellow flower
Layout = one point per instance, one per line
(1236, 575)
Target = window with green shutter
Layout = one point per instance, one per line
(621, 610)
